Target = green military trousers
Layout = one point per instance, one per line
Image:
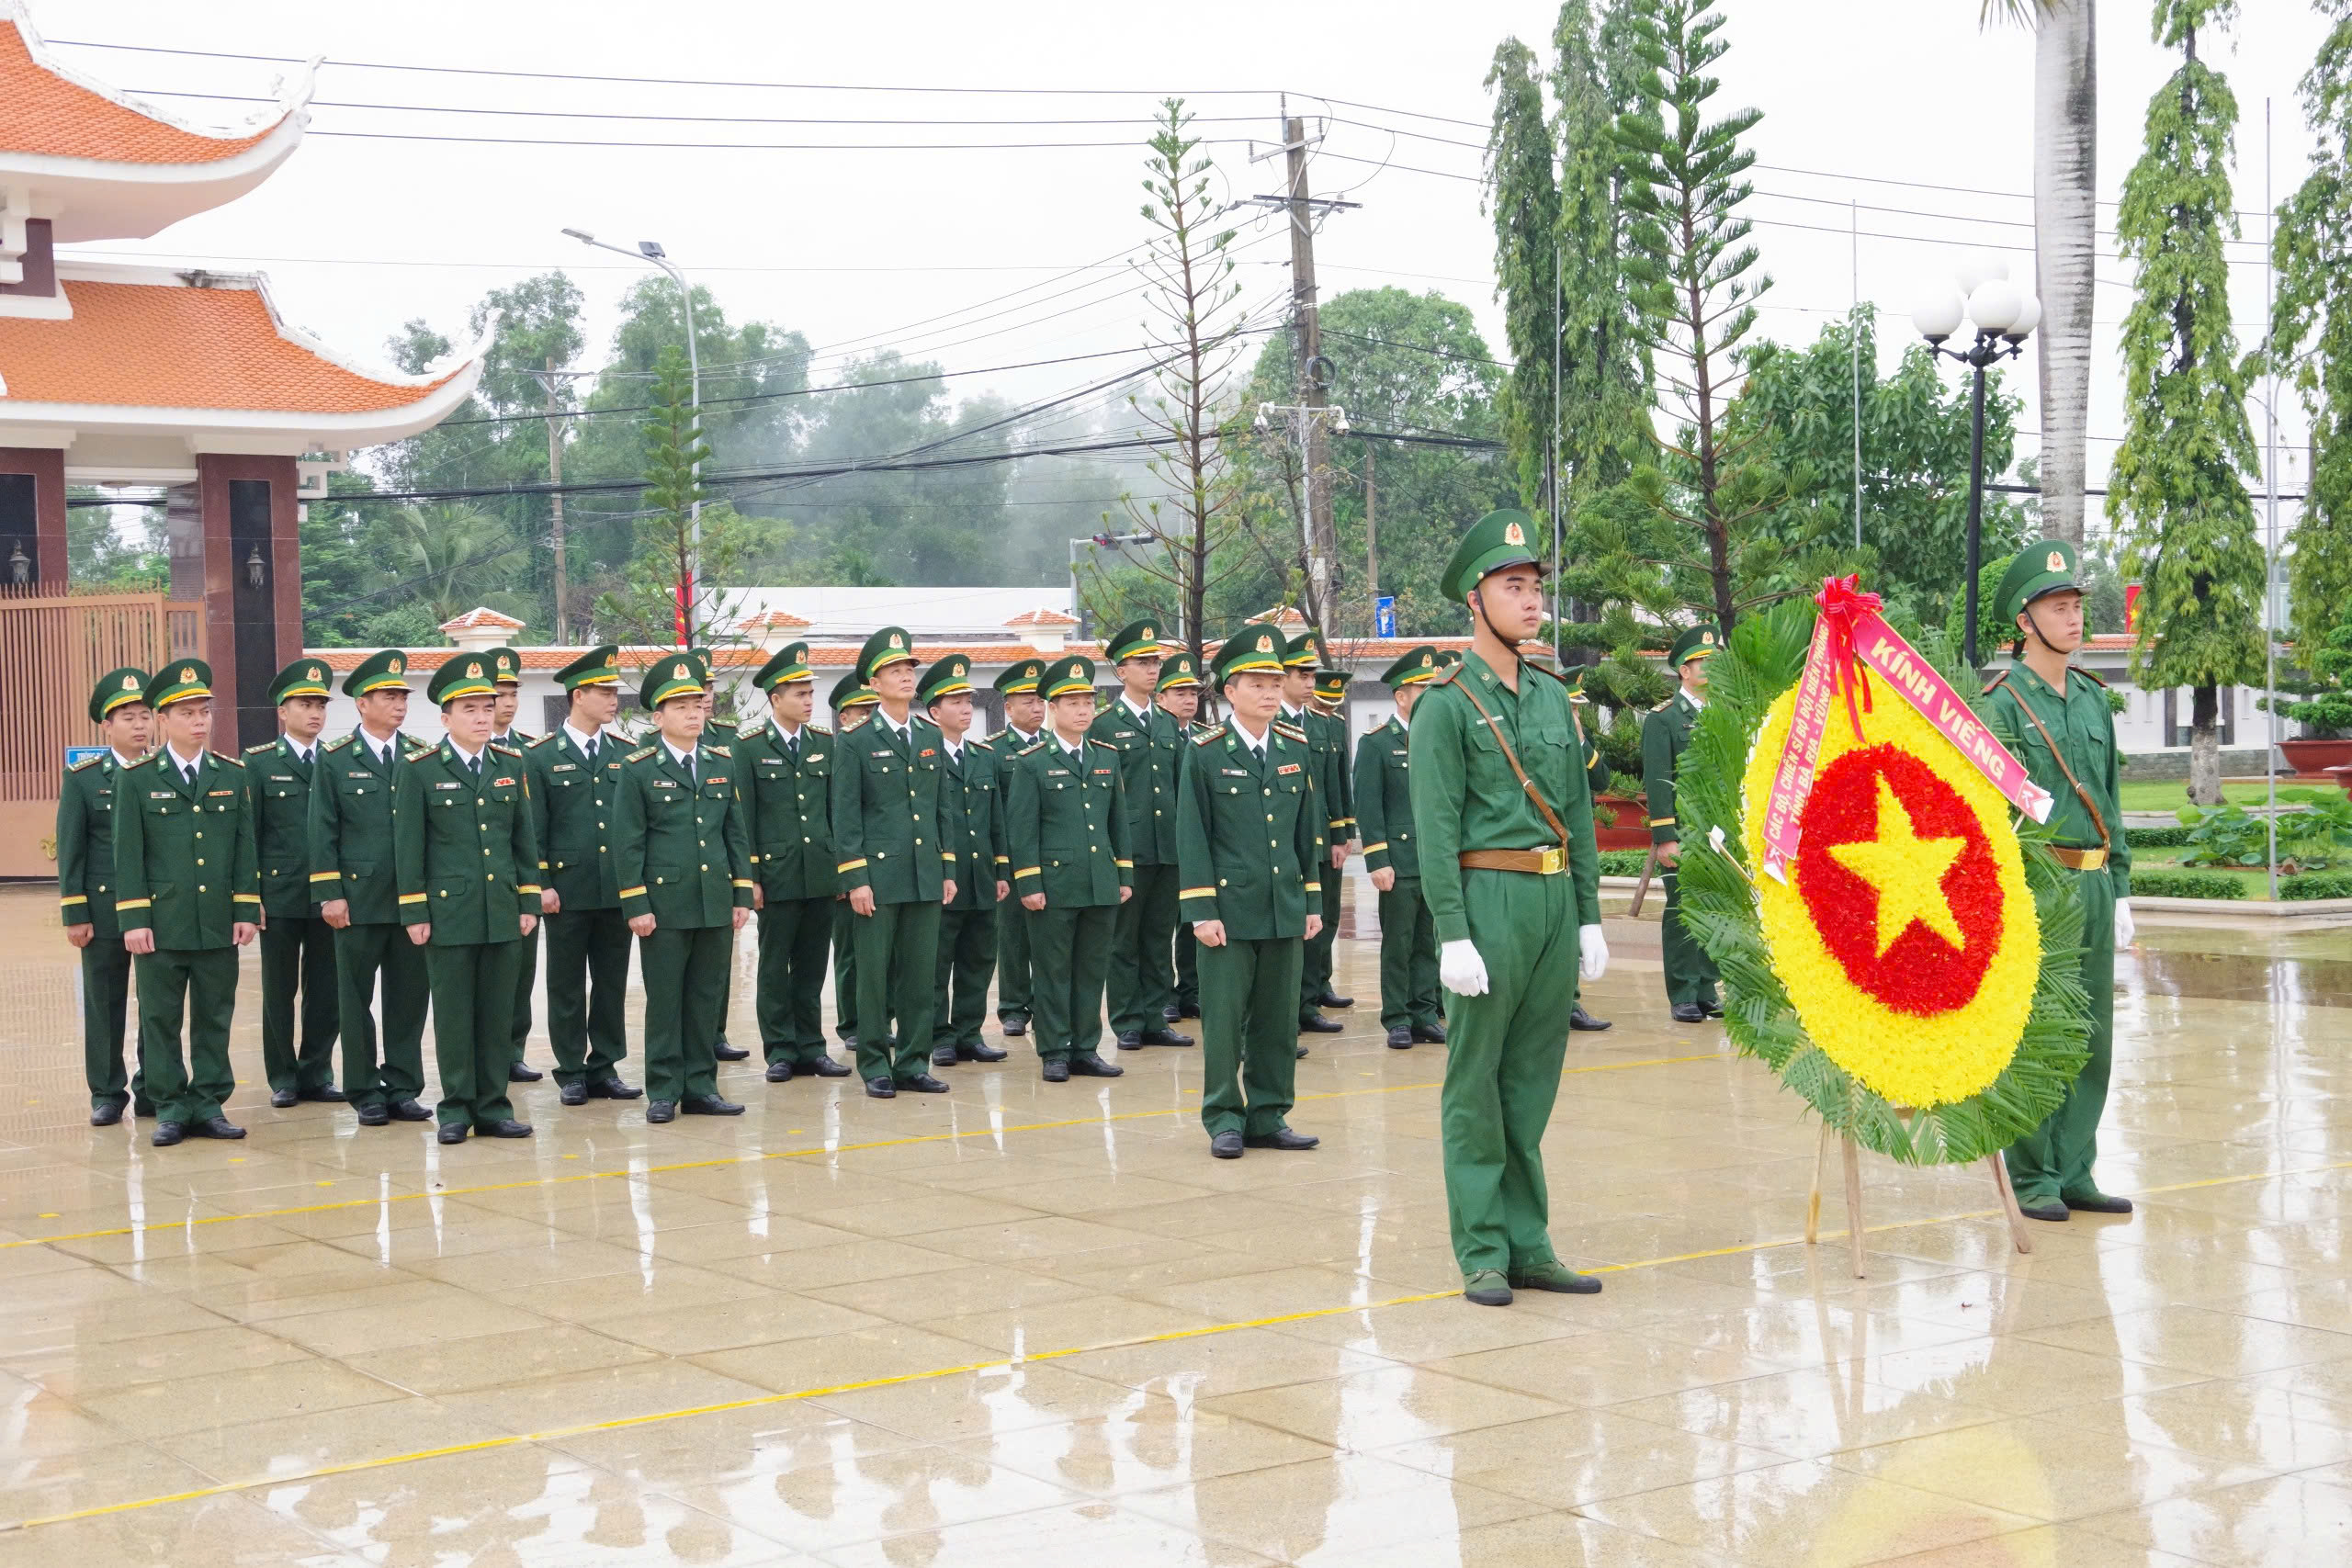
(1140, 982)
(845, 972)
(898, 979)
(967, 959)
(189, 1082)
(796, 934)
(298, 952)
(1188, 971)
(1315, 964)
(2054, 1160)
(473, 1024)
(1408, 958)
(684, 969)
(106, 1002)
(1012, 959)
(1502, 1067)
(1248, 1035)
(1690, 973)
(1071, 949)
(587, 992)
(526, 975)
(385, 1075)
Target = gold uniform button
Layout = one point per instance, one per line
(200, 888)
(199, 860)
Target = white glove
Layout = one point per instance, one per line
(1461, 970)
(2126, 927)
(1592, 953)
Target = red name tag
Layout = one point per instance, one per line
(1287, 768)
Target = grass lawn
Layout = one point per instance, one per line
(2171, 795)
(2258, 883)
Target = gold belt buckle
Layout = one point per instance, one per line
(2092, 860)
(1551, 862)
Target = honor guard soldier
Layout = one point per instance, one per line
(85, 886)
(1068, 828)
(1142, 984)
(576, 778)
(1327, 737)
(352, 810)
(718, 730)
(853, 704)
(1384, 802)
(296, 947)
(506, 670)
(187, 895)
(1507, 865)
(1025, 726)
(1665, 735)
(2058, 721)
(783, 772)
(1179, 698)
(982, 871)
(685, 871)
(1252, 908)
(1596, 773)
(893, 833)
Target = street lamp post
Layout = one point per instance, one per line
(651, 251)
(1091, 542)
(2004, 316)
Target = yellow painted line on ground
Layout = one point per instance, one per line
(1007, 1363)
(717, 1161)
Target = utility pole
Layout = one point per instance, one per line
(1371, 536)
(554, 478)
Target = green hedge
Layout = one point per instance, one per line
(2313, 884)
(1622, 863)
(2184, 884)
(2155, 837)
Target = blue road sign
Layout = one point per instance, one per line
(1383, 616)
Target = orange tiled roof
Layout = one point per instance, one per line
(779, 620)
(43, 113)
(160, 346)
(1041, 618)
(480, 615)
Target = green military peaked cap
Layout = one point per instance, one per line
(1021, 676)
(2045, 565)
(1417, 665)
(944, 679)
(849, 691)
(1331, 685)
(379, 671)
(787, 664)
(1495, 541)
(1177, 671)
(1137, 640)
(673, 675)
(303, 678)
(1066, 678)
(1696, 642)
(179, 681)
(506, 666)
(1306, 651)
(114, 688)
(599, 666)
(889, 646)
(463, 675)
(1259, 650)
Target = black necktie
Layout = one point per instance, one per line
(792, 747)
(474, 762)
(687, 763)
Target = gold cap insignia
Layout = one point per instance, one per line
(677, 672)
(474, 669)
(894, 640)
(1513, 534)
(187, 676)
(612, 660)
(395, 667)
(316, 673)
(131, 683)
(1428, 660)
(1265, 644)
(1708, 638)
(1150, 636)
(2057, 562)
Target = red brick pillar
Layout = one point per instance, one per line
(250, 519)
(32, 515)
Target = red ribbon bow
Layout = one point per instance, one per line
(1842, 603)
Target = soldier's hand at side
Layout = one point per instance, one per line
(336, 912)
(243, 931)
(1670, 854)
(861, 900)
(80, 935)
(261, 919)
(1339, 856)
(141, 940)
(550, 901)
(947, 890)
(530, 924)
(1003, 891)
(1126, 894)
(741, 915)
(1313, 927)
(1593, 954)
(1033, 901)
(2126, 927)
(1209, 933)
(1461, 970)
(759, 897)
(420, 934)
(1385, 879)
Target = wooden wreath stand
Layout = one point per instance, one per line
(1993, 1164)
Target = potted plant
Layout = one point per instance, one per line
(2322, 704)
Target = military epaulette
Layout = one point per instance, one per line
(224, 757)
(1543, 669)
(337, 744)
(505, 750)
(1995, 682)
(2091, 675)
(1446, 675)
(982, 744)
(90, 761)
(257, 751)
(540, 742)
(150, 760)
(815, 729)
(1290, 732)
(1664, 705)
(718, 750)
(749, 731)
(640, 755)
(1036, 745)
(1215, 732)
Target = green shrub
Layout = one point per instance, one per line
(2184, 884)
(1622, 863)
(2311, 840)
(2313, 884)
(2155, 837)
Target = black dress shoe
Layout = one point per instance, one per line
(1282, 1138)
(1690, 1013)
(779, 1072)
(1714, 1009)
(1169, 1014)
(282, 1098)
(374, 1115)
(452, 1132)
(660, 1110)
(167, 1134)
(1131, 1040)
(923, 1083)
(709, 1105)
(1581, 1020)
(1165, 1037)
(409, 1110)
(143, 1108)
(945, 1056)
(510, 1128)
(881, 1088)
(825, 1068)
(1400, 1039)
(849, 1041)
(1086, 1064)
(216, 1127)
(978, 1053)
(1226, 1145)
(2050, 1209)
(1434, 1033)
(326, 1094)
(1302, 1052)
(1188, 1010)
(1057, 1071)
(1315, 1023)
(611, 1087)
(1332, 1000)
(517, 1073)
(1013, 1028)
(2099, 1203)
(727, 1053)
(572, 1093)
(105, 1115)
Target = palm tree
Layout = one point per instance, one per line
(454, 554)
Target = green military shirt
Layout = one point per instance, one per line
(890, 810)
(1466, 795)
(678, 839)
(351, 827)
(1150, 754)
(571, 815)
(1665, 735)
(86, 878)
(466, 856)
(184, 853)
(1327, 737)
(787, 797)
(1067, 826)
(1384, 800)
(1251, 836)
(277, 793)
(2082, 725)
(981, 853)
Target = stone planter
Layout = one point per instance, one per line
(1620, 822)
(2314, 760)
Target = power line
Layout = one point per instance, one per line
(667, 118)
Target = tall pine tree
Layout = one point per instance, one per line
(2178, 493)
(1523, 198)
(1604, 363)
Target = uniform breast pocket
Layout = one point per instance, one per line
(163, 808)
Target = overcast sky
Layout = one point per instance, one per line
(914, 249)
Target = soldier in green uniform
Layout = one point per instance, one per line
(684, 865)
(1248, 777)
(894, 830)
(1179, 698)
(1507, 865)
(1596, 773)
(2058, 722)
(506, 666)
(719, 730)
(1067, 824)
(467, 865)
(85, 886)
(1025, 726)
(853, 704)
(983, 869)
(352, 810)
(1666, 734)
(1326, 735)
(575, 777)
(1141, 982)
(296, 947)
(187, 895)
(783, 772)
(1384, 802)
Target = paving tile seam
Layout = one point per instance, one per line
(631, 1173)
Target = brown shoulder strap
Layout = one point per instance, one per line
(2098, 820)
(1550, 817)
